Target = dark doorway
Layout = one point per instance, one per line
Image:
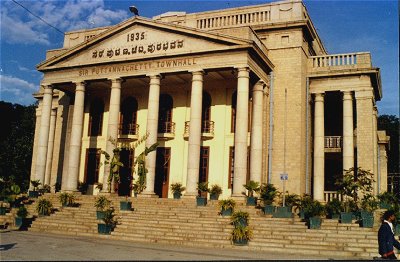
(92, 165)
(165, 114)
(128, 116)
(333, 170)
(203, 168)
(125, 172)
(162, 171)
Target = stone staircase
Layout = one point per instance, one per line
(181, 222)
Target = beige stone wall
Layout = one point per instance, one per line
(365, 130)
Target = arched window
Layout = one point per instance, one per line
(206, 113)
(96, 117)
(128, 119)
(165, 114)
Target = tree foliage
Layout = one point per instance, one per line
(16, 143)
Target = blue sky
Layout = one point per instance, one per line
(344, 27)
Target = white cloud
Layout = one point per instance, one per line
(16, 90)
(18, 26)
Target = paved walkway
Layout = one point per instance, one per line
(24, 245)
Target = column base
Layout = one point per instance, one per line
(147, 195)
(190, 195)
(239, 198)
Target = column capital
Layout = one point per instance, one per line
(347, 95)
(80, 86)
(243, 72)
(197, 75)
(259, 86)
(154, 76)
(319, 97)
(47, 88)
(116, 82)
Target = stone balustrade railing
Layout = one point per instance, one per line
(340, 61)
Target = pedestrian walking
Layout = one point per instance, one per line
(386, 238)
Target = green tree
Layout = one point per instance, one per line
(16, 142)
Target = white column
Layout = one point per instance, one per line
(256, 145)
(49, 160)
(375, 144)
(242, 108)
(76, 139)
(151, 129)
(35, 144)
(196, 102)
(113, 121)
(44, 133)
(319, 148)
(348, 142)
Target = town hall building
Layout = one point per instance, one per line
(230, 95)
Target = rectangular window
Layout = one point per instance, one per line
(204, 158)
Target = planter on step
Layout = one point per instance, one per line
(34, 194)
(397, 229)
(240, 242)
(125, 205)
(19, 221)
(226, 212)
(214, 196)
(251, 201)
(3, 211)
(177, 195)
(104, 229)
(333, 216)
(269, 209)
(201, 201)
(302, 214)
(100, 214)
(385, 205)
(314, 223)
(346, 217)
(367, 221)
(283, 212)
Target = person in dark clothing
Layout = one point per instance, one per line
(386, 238)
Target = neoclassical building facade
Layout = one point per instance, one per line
(230, 95)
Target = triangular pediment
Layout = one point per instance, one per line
(137, 39)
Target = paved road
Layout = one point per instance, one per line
(24, 245)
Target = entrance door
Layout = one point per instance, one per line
(162, 171)
(125, 172)
(92, 166)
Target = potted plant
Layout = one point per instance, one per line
(215, 191)
(109, 222)
(101, 203)
(177, 190)
(14, 192)
(241, 235)
(66, 199)
(3, 209)
(313, 212)
(251, 187)
(368, 205)
(227, 206)
(125, 205)
(348, 208)
(333, 208)
(45, 189)
(304, 202)
(22, 213)
(268, 192)
(386, 199)
(285, 210)
(201, 199)
(355, 182)
(240, 218)
(44, 207)
(35, 184)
